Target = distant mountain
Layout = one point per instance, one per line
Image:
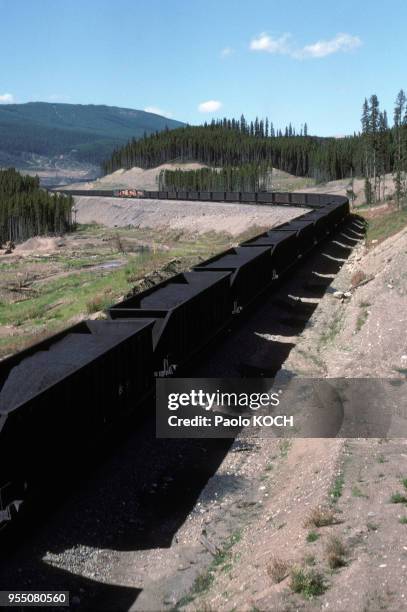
(37, 134)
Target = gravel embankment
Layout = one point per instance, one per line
(198, 217)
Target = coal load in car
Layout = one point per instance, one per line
(339, 209)
(324, 222)
(305, 233)
(250, 270)
(62, 394)
(283, 246)
(188, 310)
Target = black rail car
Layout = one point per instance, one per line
(103, 193)
(68, 389)
(250, 270)
(248, 197)
(188, 310)
(283, 246)
(62, 393)
(306, 238)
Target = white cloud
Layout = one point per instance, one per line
(264, 42)
(158, 111)
(226, 52)
(6, 98)
(322, 48)
(210, 106)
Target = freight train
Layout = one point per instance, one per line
(65, 392)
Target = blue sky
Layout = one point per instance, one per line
(292, 60)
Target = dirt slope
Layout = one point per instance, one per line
(137, 178)
(357, 479)
(341, 186)
(180, 215)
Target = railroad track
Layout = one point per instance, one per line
(65, 394)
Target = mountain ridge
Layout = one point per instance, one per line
(34, 135)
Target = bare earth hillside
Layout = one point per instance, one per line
(137, 178)
(360, 554)
(180, 215)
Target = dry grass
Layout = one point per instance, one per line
(321, 517)
(98, 302)
(335, 552)
(278, 569)
(357, 277)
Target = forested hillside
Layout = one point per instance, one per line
(230, 143)
(85, 132)
(248, 177)
(26, 210)
(245, 150)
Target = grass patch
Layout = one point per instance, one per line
(284, 446)
(335, 552)
(312, 536)
(321, 517)
(98, 302)
(384, 226)
(307, 582)
(337, 488)
(310, 560)
(403, 520)
(201, 585)
(398, 498)
(381, 459)
(278, 569)
(356, 492)
(222, 561)
(224, 556)
(328, 336)
(361, 320)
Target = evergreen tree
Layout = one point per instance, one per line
(27, 210)
(257, 127)
(400, 154)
